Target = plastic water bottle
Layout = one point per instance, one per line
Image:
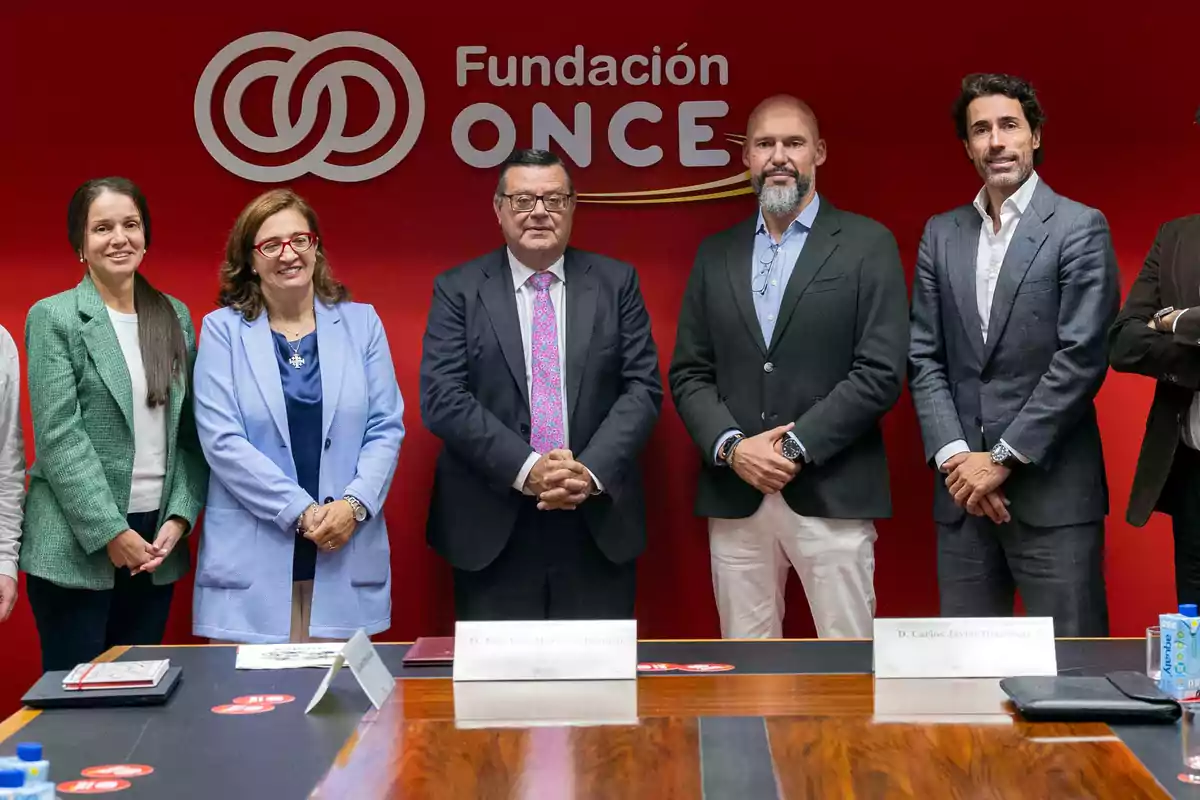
(12, 784)
(30, 761)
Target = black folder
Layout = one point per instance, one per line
(48, 692)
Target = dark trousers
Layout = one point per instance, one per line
(1181, 498)
(1059, 572)
(551, 568)
(76, 625)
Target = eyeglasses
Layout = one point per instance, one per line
(524, 203)
(273, 248)
(766, 266)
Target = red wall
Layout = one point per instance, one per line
(87, 92)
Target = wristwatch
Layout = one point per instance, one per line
(791, 448)
(360, 511)
(1158, 316)
(726, 450)
(1002, 455)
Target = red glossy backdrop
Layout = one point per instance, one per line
(91, 90)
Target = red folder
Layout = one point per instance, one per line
(430, 651)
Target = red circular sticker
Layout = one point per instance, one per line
(260, 699)
(706, 667)
(657, 666)
(117, 771)
(240, 708)
(92, 786)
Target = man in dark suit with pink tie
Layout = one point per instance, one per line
(540, 376)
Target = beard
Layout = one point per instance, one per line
(1015, 177)
(781, 200)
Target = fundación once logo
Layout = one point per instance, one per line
(575, 139)
(288, 133)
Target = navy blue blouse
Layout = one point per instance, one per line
(302, 395)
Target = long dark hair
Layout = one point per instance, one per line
(160, 336)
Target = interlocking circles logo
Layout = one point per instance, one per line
(290, 134)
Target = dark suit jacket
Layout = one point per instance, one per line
(1170, 277)
(475, 399)
(1034, 381)
(835, 364)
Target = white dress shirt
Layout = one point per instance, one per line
(989, 257)
(12, 456)
(525, 295)
(149, 424)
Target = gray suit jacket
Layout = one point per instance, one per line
(835, 364)
(1033, 382)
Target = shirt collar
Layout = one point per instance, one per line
(522, 273)
(1018, 201)
(805, 220)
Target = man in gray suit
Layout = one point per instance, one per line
(1012, 301)
(790, 348)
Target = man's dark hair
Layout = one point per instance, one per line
(529, 157)
(983, 84)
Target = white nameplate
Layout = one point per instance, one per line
(366, 666)
(964, 647)
(570, 650)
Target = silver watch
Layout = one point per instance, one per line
(791, 448)
(360, 511)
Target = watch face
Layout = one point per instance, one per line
(791, 449)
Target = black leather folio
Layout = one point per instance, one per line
(1125, 696)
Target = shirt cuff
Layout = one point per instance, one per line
(1013, 450)
(721, 441)
(1174, 325)
(519, 483)
(596, 481)
(8, 569)
(949, 451)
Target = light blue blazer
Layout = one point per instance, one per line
(243, 588)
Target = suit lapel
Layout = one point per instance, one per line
(818, 247)
(499, 300)
(260, 352)
(964, 257)
(580, 289)
(332, 351)
(739, 266)
(100, 339)
(1028, 238)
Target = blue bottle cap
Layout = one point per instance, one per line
(29, 751)
(1188, 610)
(11, 779)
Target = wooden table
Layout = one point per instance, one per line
(740, 734)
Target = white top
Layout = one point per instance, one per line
(149, 424)
(12, 455)
(525, 295)
(993, 246)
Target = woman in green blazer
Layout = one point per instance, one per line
(118, 476)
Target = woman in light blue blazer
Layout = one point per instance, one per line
(300, 418)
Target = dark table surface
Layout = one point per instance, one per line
(285, 753)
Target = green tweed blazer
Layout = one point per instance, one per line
(79, 482)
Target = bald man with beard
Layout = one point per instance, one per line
(791, 346)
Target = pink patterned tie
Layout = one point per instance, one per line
(546, 394)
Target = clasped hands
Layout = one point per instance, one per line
(329, 526)
(559, 482)
(759, 460)
(130, 550)
(974, 482)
